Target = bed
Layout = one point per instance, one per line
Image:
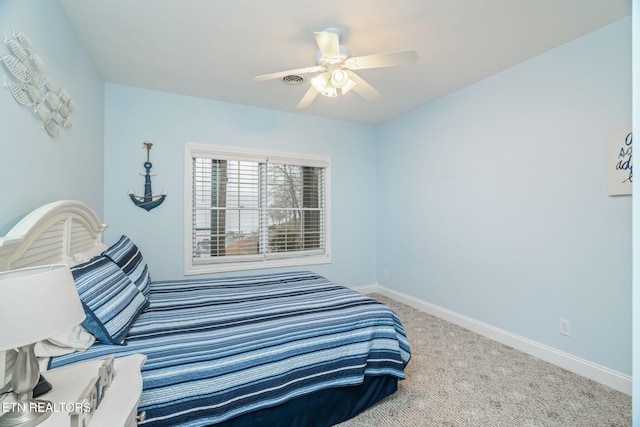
(282, 349)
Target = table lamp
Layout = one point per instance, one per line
(35, 303)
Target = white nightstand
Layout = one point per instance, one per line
(119, 405)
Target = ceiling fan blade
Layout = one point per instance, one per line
(363, 88)
(308, 98)
(281, 74)
(378, 60)
(328, 44)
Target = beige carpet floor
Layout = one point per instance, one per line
(457, 378)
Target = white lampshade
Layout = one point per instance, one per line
(321, 83)
(37, 303)
(339, 78)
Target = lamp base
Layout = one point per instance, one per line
(24, 414)
(22, 407)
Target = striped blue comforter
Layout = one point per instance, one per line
(219, 348)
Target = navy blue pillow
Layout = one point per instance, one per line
(129, 258)
(110, 300)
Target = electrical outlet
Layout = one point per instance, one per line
(565, 327)
(385, 273)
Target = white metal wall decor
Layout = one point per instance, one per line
(148, 201)
(30, 87)
(620, 160)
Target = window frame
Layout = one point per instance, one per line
(237, 263)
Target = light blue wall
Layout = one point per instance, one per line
(168, 121)
(636, 219)
(35, 168)
(493, 200)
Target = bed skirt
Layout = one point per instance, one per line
(323, 408)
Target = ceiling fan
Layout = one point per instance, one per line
(337, 69)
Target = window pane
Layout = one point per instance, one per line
(294, 207)
(285, 235)
(226, 215)
(284, 185)
(242, 231)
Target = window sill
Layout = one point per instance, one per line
(206, 268)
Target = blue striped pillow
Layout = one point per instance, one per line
(129, 258)
(111, 301)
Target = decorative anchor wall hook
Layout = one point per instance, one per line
(148, 201)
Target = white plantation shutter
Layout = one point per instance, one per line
(226, 208)
(250, 208)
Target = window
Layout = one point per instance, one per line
(254, 209)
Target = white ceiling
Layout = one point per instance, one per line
(214, 48)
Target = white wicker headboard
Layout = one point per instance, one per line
(50, 234)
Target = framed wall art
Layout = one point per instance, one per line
(619, 160)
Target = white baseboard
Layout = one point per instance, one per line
(593, 371)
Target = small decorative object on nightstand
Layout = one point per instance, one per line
(86, 405)
(78, 386)
(106, 374)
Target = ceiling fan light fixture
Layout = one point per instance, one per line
(339, 78)
(321, 83)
